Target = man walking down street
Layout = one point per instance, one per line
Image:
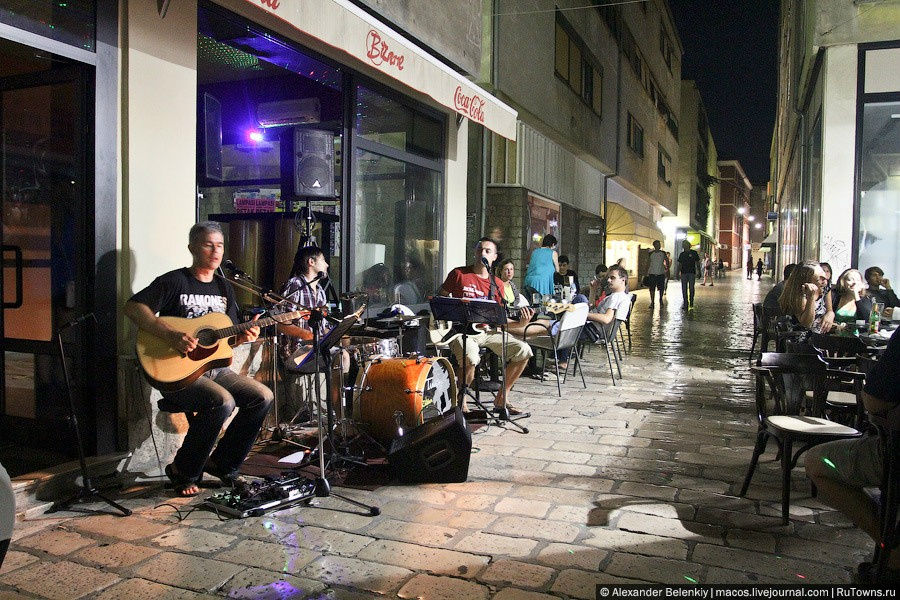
(688, 263)
(657, 272)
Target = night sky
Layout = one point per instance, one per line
(730, 51)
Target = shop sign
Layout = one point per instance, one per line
(771, 216)
(593, 231)
(378, 53)
(470, 106)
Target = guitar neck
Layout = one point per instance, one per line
(227, 332)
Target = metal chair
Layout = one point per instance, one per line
(762, 328)
(843, 401)
(599, 336)
(783, 415)
(565, 337)
(628, 324)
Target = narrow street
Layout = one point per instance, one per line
(627, 484)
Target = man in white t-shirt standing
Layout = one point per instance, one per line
(616, 305)
(657, 272)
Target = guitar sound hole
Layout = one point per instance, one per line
(207, 337)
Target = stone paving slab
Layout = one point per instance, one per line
(628, 484)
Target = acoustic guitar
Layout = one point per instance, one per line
(169, 371)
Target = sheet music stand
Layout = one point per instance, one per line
(466, 312)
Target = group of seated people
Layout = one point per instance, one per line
(807, 294)
(608, 300)
(842, 470)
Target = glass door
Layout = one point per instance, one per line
(44, 186)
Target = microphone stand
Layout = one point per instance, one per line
(273, 299)
(87, 491)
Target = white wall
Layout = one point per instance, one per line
(838, 145)
(454, 242)
(159, 97)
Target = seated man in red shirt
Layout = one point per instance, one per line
(475, 282)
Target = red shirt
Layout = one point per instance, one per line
(463, 283)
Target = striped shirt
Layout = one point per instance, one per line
(303, 295)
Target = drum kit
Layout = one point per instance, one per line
(384, 393)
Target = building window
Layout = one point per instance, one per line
(878, 236)
(574, 65)
(666, 48)
(664, 165)
(635, 136)
(397, 214)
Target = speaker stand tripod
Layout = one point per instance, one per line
(87, 491)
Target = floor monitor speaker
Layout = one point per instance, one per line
(437, 451)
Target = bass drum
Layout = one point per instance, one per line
(402, 392)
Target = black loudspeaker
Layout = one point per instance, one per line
(313, 162)
(437, 451)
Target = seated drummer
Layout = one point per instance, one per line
(304, 291)
(475, 282)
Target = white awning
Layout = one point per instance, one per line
(351, 30)
(772, 238)
(625, 224)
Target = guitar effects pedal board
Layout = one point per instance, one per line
(259, 497)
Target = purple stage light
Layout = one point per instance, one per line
(255, 136)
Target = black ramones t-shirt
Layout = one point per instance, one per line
(179, 294)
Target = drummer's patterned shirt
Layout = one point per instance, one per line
(296, 290)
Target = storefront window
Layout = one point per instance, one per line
(878, 237)
(270, 125)
(397, 202)
(71, 21)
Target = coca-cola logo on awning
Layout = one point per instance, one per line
(378, 52)
(273, 4)
(471, 106)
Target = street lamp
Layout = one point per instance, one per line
(741, 210)
(751, 218)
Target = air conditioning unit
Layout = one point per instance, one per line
(300, 111)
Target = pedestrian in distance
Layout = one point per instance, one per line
(688, 263)
(759, 269)
(749, 267)
(657, 272)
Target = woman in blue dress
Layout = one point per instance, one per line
(543, 263)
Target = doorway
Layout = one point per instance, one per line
(46, 234)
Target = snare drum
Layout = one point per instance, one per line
(362, 348)
(413, 387)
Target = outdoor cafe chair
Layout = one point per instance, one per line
(565, 336)
(783, 415)
(596, 335)
(843, 400)
(627, 325)
(763, 327)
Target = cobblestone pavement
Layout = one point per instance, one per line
(633, 483)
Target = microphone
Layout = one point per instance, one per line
(232, 268)
(485, 262)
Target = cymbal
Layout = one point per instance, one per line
(400, 319)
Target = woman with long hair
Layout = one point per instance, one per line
(850, 300)
(804, 299)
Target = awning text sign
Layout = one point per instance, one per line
(344, 26)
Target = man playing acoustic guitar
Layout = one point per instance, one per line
(192, 292)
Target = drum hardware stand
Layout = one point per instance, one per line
(321, 348)
(340, 453)
(87, 491)
(461, 312)
(277, 434)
